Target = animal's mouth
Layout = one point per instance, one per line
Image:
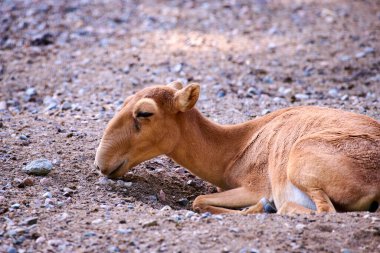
(115, 172)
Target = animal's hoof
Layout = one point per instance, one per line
(268, 208)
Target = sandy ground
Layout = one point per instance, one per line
(66, 66)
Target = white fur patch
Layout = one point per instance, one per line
(299, 197)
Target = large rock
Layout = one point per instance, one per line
(39, 167)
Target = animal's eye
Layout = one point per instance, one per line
(144, 114)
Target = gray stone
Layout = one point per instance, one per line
(15, 206)
(11, 250)
(30, 221)
(47, 195)
(124, 231)
(3, 105)
(66, 106)
(40, 167)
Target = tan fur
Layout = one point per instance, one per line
(301, 158)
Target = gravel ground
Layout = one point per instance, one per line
(67, 66)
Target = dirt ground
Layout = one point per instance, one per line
(66, 66)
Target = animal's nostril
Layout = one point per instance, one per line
(97, 167)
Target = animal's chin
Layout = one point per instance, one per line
(119, 171)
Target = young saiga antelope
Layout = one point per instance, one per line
(302, 159)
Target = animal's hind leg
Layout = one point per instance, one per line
(313, 172)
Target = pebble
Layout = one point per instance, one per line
(40, 239)
(113, 249)
(300, 226)
(218, 217)
(40, 167)
(67, 192)
(190, 214)
(89, 234)
(183, 201)
(66, 106)
(28, 181)
(162, 196)
(31, 91)
(333, 92)
(206, 215)
(300, 96)
(30, 221)
(47, 195)
(63, 216)
(11, 250)
(97, 221)
(3, 105)
(175, 218)
(177, 68)
(15, 206)
(124, 231)
(165, 209)
(104, 181)
(221, 93)
(151, 223)
(45, 181)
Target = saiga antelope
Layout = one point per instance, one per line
(302, 159)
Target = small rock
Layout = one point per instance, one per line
(124, 231)
(218, 217)
(162, 196)
(64, 216)
(177, 68)
(345, 58)
(15, 206)
(206, 215)
(55, 242)
(45, 181)
(190, 214)
(97, 221)
(166, 208)
(268, 79)
(66, 106)
(40, 167)
(344, 97)
(89, 234)
(175, 218)
(300, 226)
(31, 91)
(42, 39)
(221, 93)
(3, 105)
(47, 195)
(191, 183)
(333, 92)
(300, 96)
(11, 250)
(30, 221)
(67, 192)
(151, 223)
(183, 201)
(28, 181)
(40, 239)
(113, 249)
(104, 181)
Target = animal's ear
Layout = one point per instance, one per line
(145, 108)
(186, 98)
(175, 85)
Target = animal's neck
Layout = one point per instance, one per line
(207, 149)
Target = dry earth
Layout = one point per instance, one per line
(66, 66)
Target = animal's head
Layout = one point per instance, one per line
(145, 127)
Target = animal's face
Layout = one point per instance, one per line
(145, 127)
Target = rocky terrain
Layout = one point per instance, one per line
(67, 66)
